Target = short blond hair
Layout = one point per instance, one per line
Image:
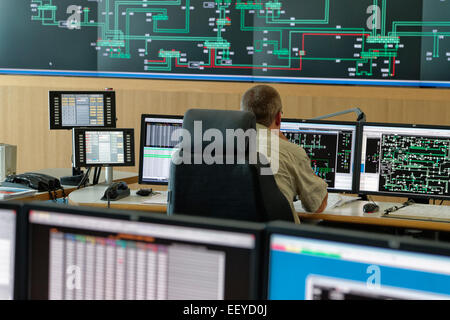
(264, 101)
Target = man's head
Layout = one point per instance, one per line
(265, 102)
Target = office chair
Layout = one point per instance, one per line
(234, 191)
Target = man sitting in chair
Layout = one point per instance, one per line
(293, 173)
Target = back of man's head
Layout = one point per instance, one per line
(264, 101)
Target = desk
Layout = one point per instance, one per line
(353, 213)
(128, 177)
(90, 196)
(350, 213)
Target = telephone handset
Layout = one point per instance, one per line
(38, 181)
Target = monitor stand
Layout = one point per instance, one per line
(363, 197)
(109, 175)
(77, 176)
(74, 179)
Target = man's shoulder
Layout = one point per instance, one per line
(292, 149)
(286, 147)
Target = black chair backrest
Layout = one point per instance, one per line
(232, 188)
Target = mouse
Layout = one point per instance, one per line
(144, 192)
(371, 207)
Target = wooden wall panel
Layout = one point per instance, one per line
(24, 107)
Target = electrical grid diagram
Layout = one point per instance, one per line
(330, 153)
(279, 40)
(411, 164)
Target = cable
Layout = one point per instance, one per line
(63, 195)
(395, 208)
(371, 200)
(50, 195)
(97, 172)
(85, 178)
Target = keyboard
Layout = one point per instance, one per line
(421, 211)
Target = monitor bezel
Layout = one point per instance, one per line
(20, 249)
(396, 194)
(75, 148)
(356, 159)
(347, 236)
(64, 209)
(142, 143)
(79, 210)
(254, 228)
(51, 111)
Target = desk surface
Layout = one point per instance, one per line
(349, 213)
(90, 196)
(353, 213)
(128, 177)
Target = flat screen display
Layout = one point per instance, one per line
(327, 264)
(112, 147)
(365, 42)
(90, 256)
(82, 109)
(7, 253)
(331, 147)
(158, 141)
(409, 161)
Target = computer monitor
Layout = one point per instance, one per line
(158, 139)
(317, 263)
(73, 253)
(71, 109)
(330, 145)
(98, 254)
(410, 161)
(103, 147)
(12, 252)
(209, 259)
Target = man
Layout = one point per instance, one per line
(293, 175)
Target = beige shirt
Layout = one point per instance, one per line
(293, 173)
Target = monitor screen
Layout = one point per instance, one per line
(340, 42)
(158, 140)
(405, 160)
(94, 256)
(7, 252)
(327, 264)
(209, 259)
(69, 109)
(330, 146)
(94, 147)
